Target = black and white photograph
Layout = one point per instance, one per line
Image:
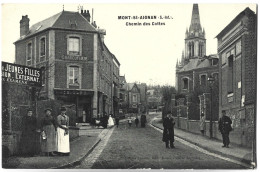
(147, 85)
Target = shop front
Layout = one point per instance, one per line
(78, 100)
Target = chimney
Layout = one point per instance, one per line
(86, 14)
(94, 24)
(24, 25)
(102, 33)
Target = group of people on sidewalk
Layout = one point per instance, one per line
(104, 121)
(54, 134)
(224, 127)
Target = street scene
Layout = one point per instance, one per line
(129, 86)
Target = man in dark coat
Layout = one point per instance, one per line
(105, 120)
(143, 120)
(117, 121)
(168, 130)
(224, 126)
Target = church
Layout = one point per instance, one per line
(196, 75)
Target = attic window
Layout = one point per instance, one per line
(39, 27)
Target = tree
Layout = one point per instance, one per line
(167, 92)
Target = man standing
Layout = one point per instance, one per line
(202, 124)
(143, 120)
(117, 121)
(168, 130)
(224, 126)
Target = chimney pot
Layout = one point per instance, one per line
(84, 11)
(24, 25)
(81, 11)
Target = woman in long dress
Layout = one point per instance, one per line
(63, 142)
(49, 128)
(110, 121)
(28, 138)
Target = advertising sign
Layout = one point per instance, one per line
(19, 74)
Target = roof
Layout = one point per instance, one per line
(122, 79)
(62, 20)
(198, 63)
(247, 11)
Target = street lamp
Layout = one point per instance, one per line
(211, 81)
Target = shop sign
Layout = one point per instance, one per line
(20, 74)
(74, 58)
(72, 92)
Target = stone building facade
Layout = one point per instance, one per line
(237, 74)
(78, 68)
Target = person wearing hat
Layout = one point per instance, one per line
(168, 130)
(29, 135)
(224, 126)
(63, 143)
(48, 128)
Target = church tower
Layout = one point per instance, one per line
(195, 42)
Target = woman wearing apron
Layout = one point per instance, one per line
(63, 142)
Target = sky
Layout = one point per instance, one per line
(147, 54)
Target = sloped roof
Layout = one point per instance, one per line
(246, 11)
(198, 63)
(122, 79)
(130, 86)
(61, 20)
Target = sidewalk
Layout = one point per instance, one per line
(213, 145)
(79, 149)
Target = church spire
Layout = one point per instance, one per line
(195, 19)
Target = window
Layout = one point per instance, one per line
(29, 54)
(230, 75)
(185, 83)
(134, 98)
(200, 49)
(74, 46)
(42, 49)
(238, 47)
(215, 76)
(203, 80)
(73, 75)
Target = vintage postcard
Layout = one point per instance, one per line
(129, 85)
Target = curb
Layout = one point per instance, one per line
(213, 151)
(77, 162)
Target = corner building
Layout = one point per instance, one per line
(78, 68)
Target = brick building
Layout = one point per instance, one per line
(78, 68)
(192, 73)
(237, 74)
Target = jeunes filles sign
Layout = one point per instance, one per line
(20, 74)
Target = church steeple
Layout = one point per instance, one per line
(195, 19)
(195, 42)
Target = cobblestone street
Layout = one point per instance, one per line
(132, 148)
